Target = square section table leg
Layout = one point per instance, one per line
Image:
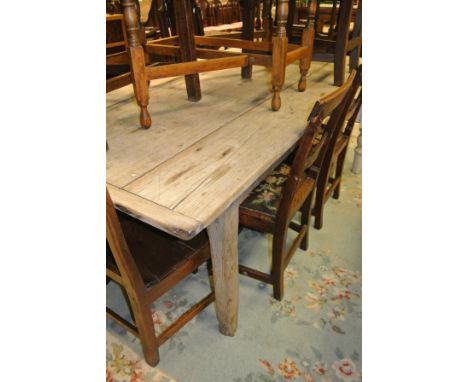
(188, 49)
(308, 41)
(223, 234)
(248, 15)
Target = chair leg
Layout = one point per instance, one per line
(143, 320)
(149, 342)
(305, 220)
(339, 172)
(319, 204)
(277, 267)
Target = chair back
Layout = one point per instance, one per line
(129, 275)
(324, 121)
(353, 113)
(337, 121)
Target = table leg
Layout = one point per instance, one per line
(137, 62)
(355, 53)
(188, 51)
(223, 243)
(248, 15)
(308, 41)
(280, 50)
(267, 22)
(291, 14)
(344, 20)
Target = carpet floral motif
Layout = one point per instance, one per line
(294, 367)
(330, 296)
(122, 366)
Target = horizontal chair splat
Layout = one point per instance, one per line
(193, 67)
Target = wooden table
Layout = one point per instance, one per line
(193, 171)
(272, 52)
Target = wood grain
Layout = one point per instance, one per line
(133, 152)
(200, 166)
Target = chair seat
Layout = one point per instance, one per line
(264, 200)
(157, 254)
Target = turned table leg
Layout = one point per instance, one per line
(223, 243)
(137, 62)
(248, 15)
(188, 49)
(308, 41)
(280, 50)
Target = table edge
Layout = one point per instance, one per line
(171, 222)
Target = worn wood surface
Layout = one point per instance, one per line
(205, 155)
(204, 158)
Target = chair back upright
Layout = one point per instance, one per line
(323, 125)
(348, 106)
(129, 276)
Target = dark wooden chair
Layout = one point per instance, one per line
(219, 17)
(329, 172)
(338, 32)
(167, 19)
(340, 40)
(271, 206)
(146, 263)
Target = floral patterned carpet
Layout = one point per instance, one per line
(313, 335)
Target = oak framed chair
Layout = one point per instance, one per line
(329, 172)
(338, 32)
(341, 39)
(146, 263)
(273, 204)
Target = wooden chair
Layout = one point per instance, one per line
(271, 207)
(338, 32)
(339, 41)
(146, 263)
(327, 184)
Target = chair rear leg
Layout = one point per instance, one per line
(306, 210)
(319, 205)
(277, 268)
(339, 172)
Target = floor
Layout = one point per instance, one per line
(313, 335)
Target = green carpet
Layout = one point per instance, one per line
(314, 334)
